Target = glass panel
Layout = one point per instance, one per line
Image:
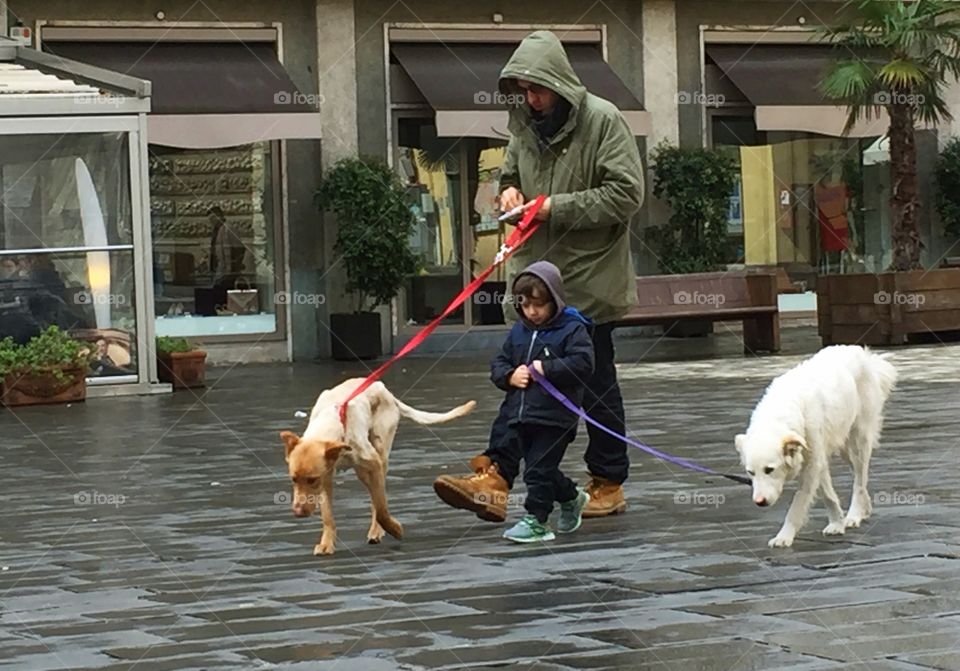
(213, 240)
(430, 166)
(58, 188)
(486, 159)
(88, 294)
(819, 191)
(812, 203)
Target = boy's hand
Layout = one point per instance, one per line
(520, 377)
(538, 366)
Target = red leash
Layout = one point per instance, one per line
(520, 234)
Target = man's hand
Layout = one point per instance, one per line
(511, 198)
(538, 366)
(520, 377)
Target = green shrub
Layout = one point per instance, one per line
(948, 187)
(168, 345)
(696, 184)
(375, 224)
(50, 352)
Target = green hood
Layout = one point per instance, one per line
(541, 59)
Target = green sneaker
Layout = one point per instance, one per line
(571, 513)
(528, 530)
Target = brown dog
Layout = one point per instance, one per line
(325, 448)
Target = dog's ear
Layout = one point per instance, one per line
(793, 445)
(738, 441)
(290, 440)
(333, 450)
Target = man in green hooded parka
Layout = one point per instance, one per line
(577, 149)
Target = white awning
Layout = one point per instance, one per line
(207, 131)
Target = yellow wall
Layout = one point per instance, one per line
(759, 205)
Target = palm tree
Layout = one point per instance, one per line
(898, 56)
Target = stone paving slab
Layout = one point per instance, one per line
(160, 539)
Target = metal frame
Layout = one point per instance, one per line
(134, 127)
(210, 31)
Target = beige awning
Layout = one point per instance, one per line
(822, 119)
(208, 131)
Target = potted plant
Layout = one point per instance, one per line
(180, 363)
(696, 185)
(375, 224)
(51, 368)
(898, 57)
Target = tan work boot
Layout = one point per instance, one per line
(484, 493)
(606, 498)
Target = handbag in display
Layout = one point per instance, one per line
(243, 301)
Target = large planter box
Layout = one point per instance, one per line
(355, 335)
(36, 389)
(887, 308)
(183, 370)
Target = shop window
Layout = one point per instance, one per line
(430, 167)
(213, 220)
(66, 243)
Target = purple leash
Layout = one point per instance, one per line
(572, 407)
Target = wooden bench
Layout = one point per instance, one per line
(747, 296)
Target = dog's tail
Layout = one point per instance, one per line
(884, 371)
(423, 417)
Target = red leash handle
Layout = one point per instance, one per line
(520, 234)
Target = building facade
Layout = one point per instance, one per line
(253, 101)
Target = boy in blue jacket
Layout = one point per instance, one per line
(553, 339)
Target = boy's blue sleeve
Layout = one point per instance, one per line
(501, 367)
(575, 367)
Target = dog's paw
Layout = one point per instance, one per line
(834, 529)
(851, 522)
(392, 527)
(780, 541)
(322, 548)
(374, 537)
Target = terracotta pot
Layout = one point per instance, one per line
(182, 369)
(41, 388)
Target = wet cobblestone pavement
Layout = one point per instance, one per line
(155, 533)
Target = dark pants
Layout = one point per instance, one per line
(606, 456)
(543, 448)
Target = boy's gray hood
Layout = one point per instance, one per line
(551, 276)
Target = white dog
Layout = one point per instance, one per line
(831, 403)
